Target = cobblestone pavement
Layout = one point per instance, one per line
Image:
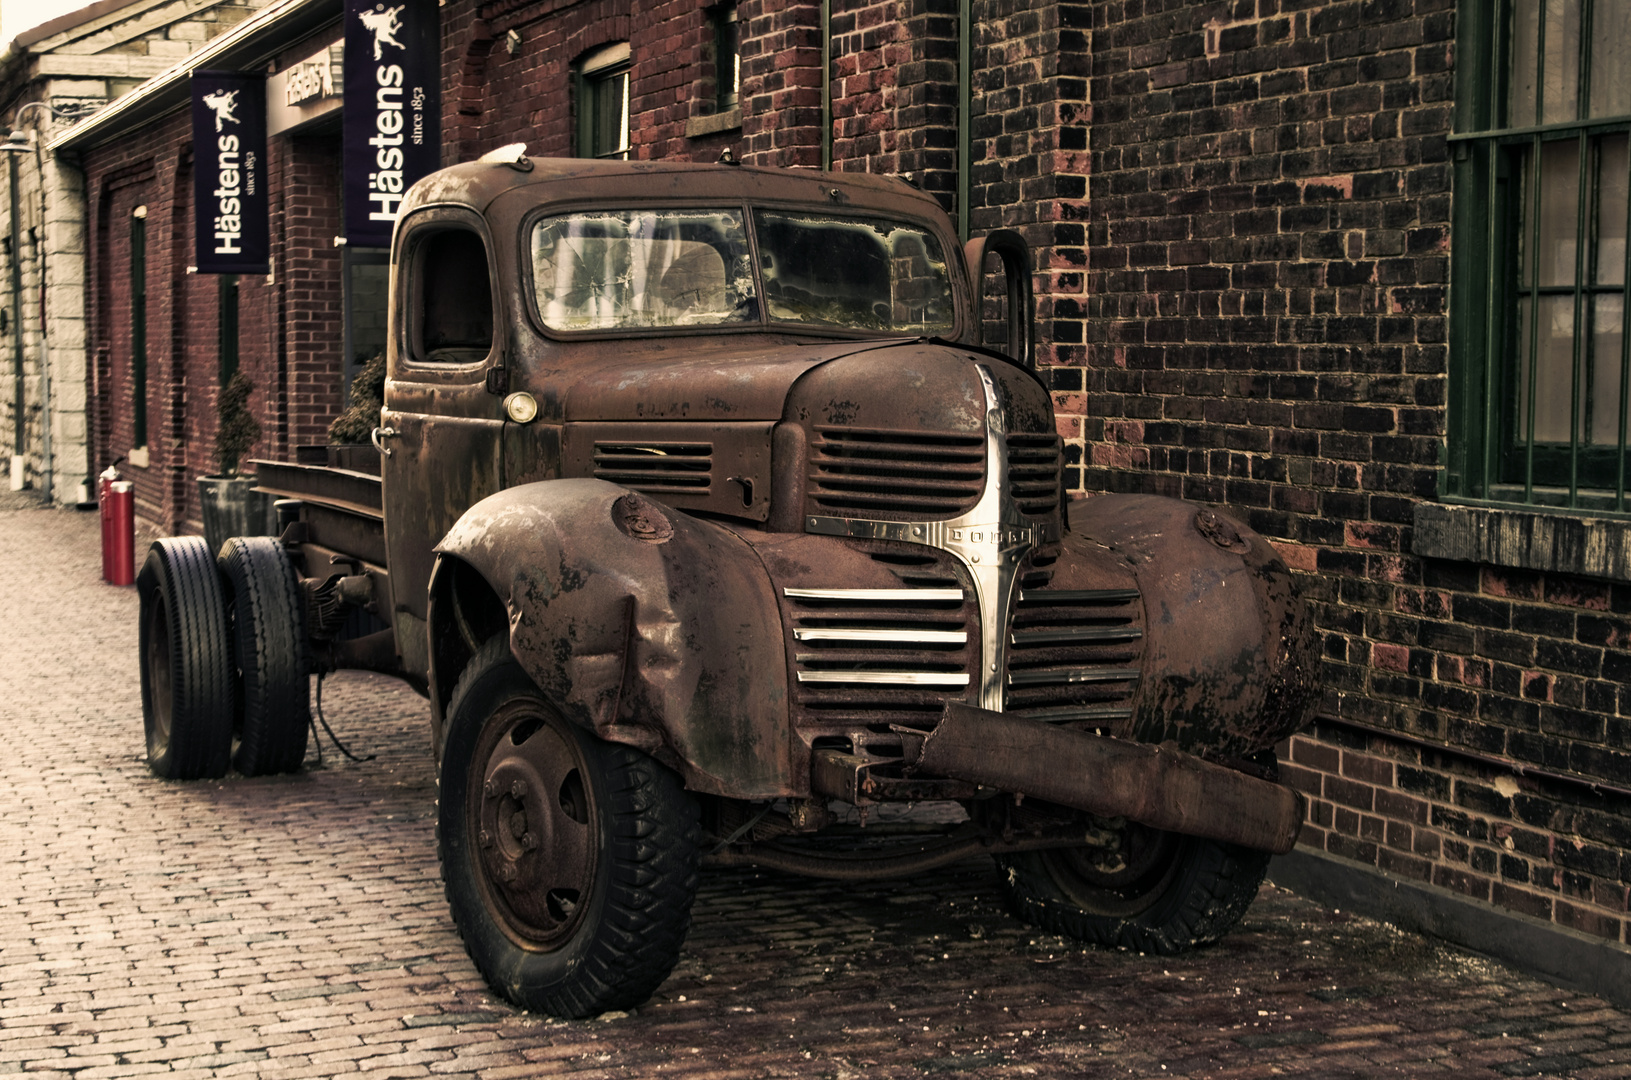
(296, 927)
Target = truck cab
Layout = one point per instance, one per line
(713, 507)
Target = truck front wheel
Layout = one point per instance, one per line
(570, 863)
(1159, 893)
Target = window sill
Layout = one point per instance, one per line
(137, 457)
(698, 126)
(1559, 543)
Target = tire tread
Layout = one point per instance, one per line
(269, 649)
(182, 571)
(653, 844)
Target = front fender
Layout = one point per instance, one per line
(1231, 657)
(647, 626)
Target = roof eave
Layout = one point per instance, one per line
(246, 47)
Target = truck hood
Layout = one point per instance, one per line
(662, 381)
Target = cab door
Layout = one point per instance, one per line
(441, 427)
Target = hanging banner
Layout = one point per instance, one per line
(392, 111)
(229, 173)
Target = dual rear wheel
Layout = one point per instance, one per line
(223, 658)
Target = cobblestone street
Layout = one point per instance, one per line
(295, 926)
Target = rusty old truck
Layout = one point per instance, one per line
(714, 508)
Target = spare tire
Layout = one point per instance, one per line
(186, 663)
(266, 610)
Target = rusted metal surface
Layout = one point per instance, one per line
(1230, 657)
(1154, 785)
(902, 859)
(643, 624)
(353, 491)
(839, 534)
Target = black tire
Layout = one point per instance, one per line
(186, 663)
(570, 863)
(267, 615)
(1169, 894)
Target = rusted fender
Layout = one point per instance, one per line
(1231, 660)
(1159, 786)
(642, 624)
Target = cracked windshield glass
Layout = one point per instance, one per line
(856, 274)
(631, 270)
(628, 269)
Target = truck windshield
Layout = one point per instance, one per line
(630, 269)
(638, 269)
(860, 274)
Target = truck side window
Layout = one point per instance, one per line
(454, 297)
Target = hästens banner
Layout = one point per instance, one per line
(392, 111)
(229, 173)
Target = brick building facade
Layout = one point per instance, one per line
(50, 76)
(169, 337)
(1247, 216)
(1264, 324)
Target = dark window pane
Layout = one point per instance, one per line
(1559, 204)
(1553, 380)
(1613, 173)
(1603, 400)
(454, 297)
(1525, 39)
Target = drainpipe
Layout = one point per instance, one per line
(826, 85)
(47, 458)
(20, 448)
(965, 103)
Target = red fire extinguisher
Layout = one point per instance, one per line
(118, 506)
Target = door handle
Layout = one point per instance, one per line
(378, 437)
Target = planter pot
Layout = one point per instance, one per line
(232, 508)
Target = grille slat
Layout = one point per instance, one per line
(884, 655)
(1033, 471)
(895, 473)
(656, 467)
(1074, 655)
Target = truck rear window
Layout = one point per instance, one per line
(640, 269)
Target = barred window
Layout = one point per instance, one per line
(1543, 196)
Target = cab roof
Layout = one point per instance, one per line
(477, 184)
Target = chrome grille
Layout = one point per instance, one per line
(1033, 472)
(656, 468)
(896, 473)
(1074, 654)
(883, 656)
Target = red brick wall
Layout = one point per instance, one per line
(1262, 324)
(781, 83)
(291, 329)
(494, 97)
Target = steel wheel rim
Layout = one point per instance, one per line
(1151, 858)
(533, 820)
(161, 690)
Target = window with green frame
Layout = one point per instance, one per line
(603, 102)
(1540, 259)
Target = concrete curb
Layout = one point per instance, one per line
(1555, 953)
